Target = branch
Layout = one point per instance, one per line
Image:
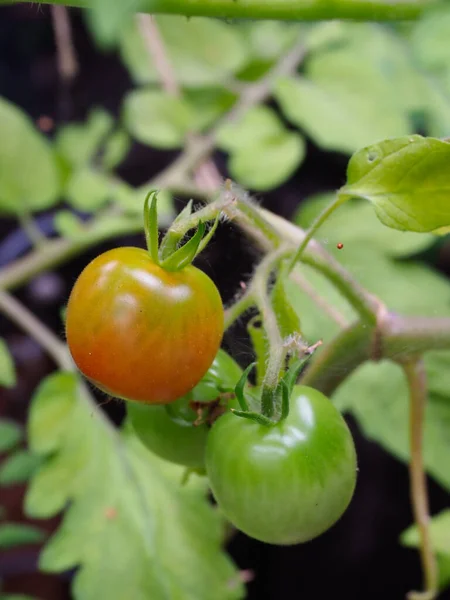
(414, 370)
(289, 10)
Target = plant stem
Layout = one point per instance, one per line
(309, 10)
(65, 49)
(238, 308)
(414, 370)
(25, 319)
(277, 350)
(318, 221)
(366, 305)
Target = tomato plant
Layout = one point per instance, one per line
(142, 333)
(289, 482)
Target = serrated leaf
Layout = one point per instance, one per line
(29, 177)
(201, 51)
(356, 222)
(116, 148)
(88, 190)
(78, 143)
(130, 525)
(157, 119)
(406, 180)
(19, 534)
(7, 369)
(10, 435)
(18, 467)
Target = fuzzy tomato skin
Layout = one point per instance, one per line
(288, 483)
(139, 332)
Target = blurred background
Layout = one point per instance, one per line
(358, 558)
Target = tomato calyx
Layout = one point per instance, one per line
(280, 395)
(169, 256)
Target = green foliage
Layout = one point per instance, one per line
(356, 222)
(157, 119)
(29, 175)
(10, 435)
(263, 152)
(406, 180)
(7, 370)
(440, 538)
(18, 467)
(79, 143)
(376, 394)
(19, 534)
(201, 51)
(130, 524)
(88, 190)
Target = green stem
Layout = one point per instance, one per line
(25, 319)
(277, 349)
(415, 374)
(238, 308)
(318, 221)
(307, 10)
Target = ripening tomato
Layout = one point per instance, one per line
(142, 333)
(286, 483)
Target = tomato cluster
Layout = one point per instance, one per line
(147, 328)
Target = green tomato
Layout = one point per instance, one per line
(287, 483)
(169, 431)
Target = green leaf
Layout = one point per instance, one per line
(130, 524)
(440, 539)
(106, 20)
(263, 152)
(157, 119)
(406, 180)
(356, 222)
(7, 369)
(79, 143)
(19, 534)
(336, 117)
(201, 51)
(208, 104)
(269, 39)
(18, 467)
(10, 435)
(67, 224)
(88, 190)
(116, 149)
(29, 176)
